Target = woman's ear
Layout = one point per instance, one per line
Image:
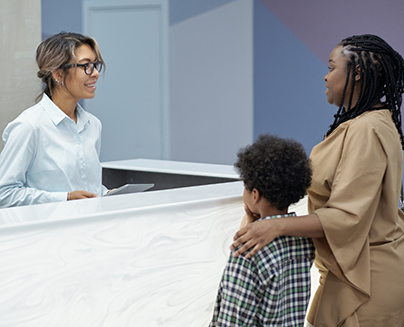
(357, 73)
(58, 76)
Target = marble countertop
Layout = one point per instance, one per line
(174, 167)
(145, 259)
(117, 204)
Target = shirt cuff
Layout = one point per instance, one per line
(104, 190)
(58, 196)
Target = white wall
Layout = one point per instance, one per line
(212, 84)
(20, 34)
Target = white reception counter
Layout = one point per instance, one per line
(145, 259)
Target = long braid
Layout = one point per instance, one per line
(352, 70)
(381, 75)
(338, 116)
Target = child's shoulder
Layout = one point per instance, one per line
(286, 248)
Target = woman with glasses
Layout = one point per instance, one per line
(51, 150)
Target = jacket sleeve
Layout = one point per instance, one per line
(356, 190)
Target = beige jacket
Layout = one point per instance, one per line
(355, 192)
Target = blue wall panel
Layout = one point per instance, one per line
(60, 16)
(289, 87)
(181, 10)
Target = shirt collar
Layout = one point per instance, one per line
(291, 214)
(58, 115)
(82, 118)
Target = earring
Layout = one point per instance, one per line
(59, 82)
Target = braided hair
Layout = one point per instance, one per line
(381, 79)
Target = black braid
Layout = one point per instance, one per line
(381, 76)
(340, 112)
(352, 70)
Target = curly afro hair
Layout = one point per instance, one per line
(278, 168)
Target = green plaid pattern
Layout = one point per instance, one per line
(270, 289)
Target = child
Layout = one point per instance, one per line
(273, 287)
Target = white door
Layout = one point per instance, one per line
(132, 99)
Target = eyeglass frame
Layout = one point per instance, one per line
(85, 66)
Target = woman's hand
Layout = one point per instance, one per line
(261, 233)
(256, 236)
(81, 194)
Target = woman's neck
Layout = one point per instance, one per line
(66, 103)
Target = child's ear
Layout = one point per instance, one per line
(256, 195)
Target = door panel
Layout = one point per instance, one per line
(132, 97)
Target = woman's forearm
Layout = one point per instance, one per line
(301, 226)
(258, 234)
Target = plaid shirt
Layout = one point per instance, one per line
(270, 289)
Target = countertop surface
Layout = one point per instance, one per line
(116, 204)
(174, 167)
(144, 259)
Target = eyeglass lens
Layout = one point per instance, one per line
(90, 67)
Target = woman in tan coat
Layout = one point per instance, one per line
(355, 220)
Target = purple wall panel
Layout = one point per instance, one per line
(321, 25)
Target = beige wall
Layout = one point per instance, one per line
(20, 34)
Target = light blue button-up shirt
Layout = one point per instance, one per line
(46, 154)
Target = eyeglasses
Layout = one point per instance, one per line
(88, 67)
